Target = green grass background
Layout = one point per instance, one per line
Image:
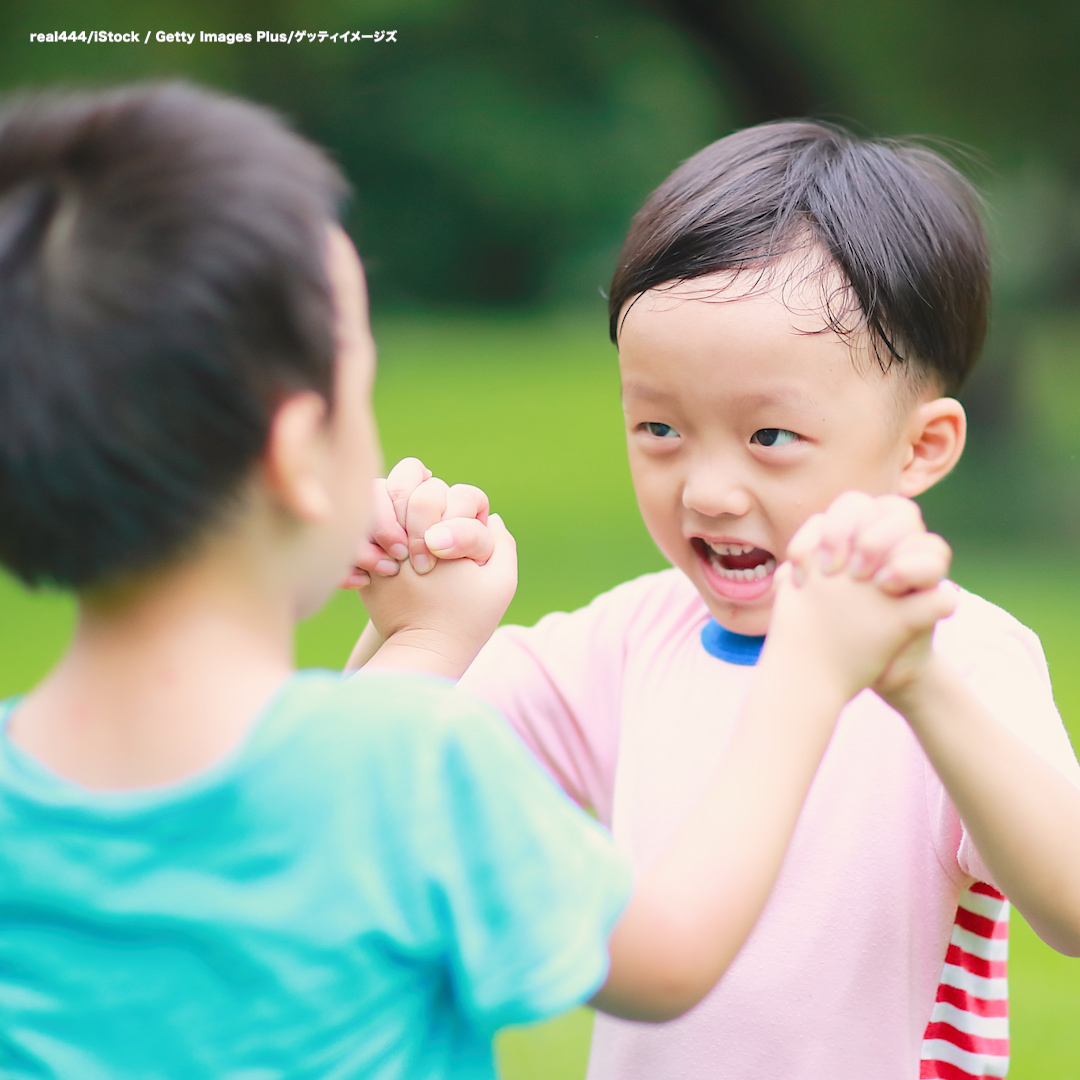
(528, 408)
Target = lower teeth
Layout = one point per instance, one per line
(756, 573)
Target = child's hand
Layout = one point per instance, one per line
(420, 518)
(865, 587)
(438, 621)
(880, 537)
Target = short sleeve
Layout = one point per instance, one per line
(528, 887)
(1002, 663)
(560, 685)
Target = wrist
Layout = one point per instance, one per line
(817, 688)
(926, 684)
(423, 650)
(814, 680)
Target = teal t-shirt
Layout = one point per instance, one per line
(372, 884)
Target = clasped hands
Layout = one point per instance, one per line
(421, 525)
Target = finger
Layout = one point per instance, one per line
(843, 519)
(889, 520)
(426, 507)
(355, 579)
(785, 577)
(466, 501)
(387, 532)
(460, 538)
(923, 609)
(918, 562)
(403, 479)
(804, 543)
(371, 559)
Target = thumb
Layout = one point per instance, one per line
(460, 538)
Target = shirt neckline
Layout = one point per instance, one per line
(23, 773)
(724, 644)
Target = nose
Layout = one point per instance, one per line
(714, 487)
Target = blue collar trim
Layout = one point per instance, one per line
(727, 645)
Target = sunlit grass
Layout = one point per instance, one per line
(529, 409)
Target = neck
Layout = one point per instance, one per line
(163, 676)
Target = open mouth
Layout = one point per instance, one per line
(736, 571)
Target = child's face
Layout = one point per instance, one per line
(743, 418)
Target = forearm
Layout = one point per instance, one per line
(425, 652)
(1021, 812)
(692, 912)
(367, 645)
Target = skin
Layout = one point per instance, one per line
(746, 421)
(711, 366)
(713, 370)
(166, 672)
(831, 636)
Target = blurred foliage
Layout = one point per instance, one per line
(476, 398)
(499, 148)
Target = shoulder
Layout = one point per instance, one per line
(379, 721)
(978, 624)
(989, 646)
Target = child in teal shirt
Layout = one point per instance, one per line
(213, 865)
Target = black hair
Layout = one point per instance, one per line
(162, 288)
(900, 223)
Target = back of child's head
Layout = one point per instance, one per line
(900, 223)
(162, 288)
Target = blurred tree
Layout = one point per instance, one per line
(499, 147)
(767, 78)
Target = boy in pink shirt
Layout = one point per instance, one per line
(793, 309)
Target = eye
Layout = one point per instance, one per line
(661, 431)
(773, 436)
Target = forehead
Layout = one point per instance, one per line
(750, 337)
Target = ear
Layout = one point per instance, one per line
(935, 436)
(295, 463)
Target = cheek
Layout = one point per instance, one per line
(659, 502)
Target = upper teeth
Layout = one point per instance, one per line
(732, 549)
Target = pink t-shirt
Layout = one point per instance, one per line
(632, 715)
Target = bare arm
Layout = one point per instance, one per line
(1017, 790)
(436, 622)
(1021, 811)
(693, 910)
(691, 913)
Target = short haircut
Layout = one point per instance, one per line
(162, 289)
(900, 223)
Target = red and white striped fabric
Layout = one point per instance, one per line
(968, 1034)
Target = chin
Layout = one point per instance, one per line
(754, 622)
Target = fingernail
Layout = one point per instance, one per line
(422, 562)
(386, 567)
(439, 538)
(828, 561)
(858, 566)
(798, 575)
(399, 551)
